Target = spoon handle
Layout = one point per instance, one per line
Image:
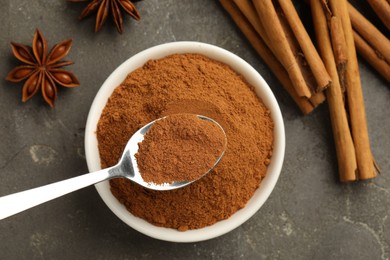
(20, 201)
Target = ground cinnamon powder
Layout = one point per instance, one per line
(189, 83)
(179, 147)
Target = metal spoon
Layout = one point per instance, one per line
(127, 168)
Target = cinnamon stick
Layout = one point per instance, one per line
(265, 53)
(356, 109)
(370, 33)
(298, 53)
(371, 56)
(339, 48)
(317, 98)
(338, 42)
(382, 9)
(276, 35)
(248, 10)
(342, 136)
(311, 55)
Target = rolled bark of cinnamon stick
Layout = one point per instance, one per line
(339, 48)
(382, 9)
(370, 33)
(275, 33)
(317, 98)
(311, 55)
(248, 10)
(345, 150)
(371, 56)
(299, 57)
(338, 41)
(354, 92)
(265, 53)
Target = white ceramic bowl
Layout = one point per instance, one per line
(262, 90)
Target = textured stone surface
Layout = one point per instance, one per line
(310, 215)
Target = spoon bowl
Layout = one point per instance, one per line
(127, 167)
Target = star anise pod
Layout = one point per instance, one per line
(42, 70)
(104, 7)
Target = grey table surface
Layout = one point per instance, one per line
(309, 215)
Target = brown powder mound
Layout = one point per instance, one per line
(180, 147)
(189, 83)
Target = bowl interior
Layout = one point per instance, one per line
(262, 90)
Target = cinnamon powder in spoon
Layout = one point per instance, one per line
(189, 83)
(179, 148)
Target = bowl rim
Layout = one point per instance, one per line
(262, 90)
